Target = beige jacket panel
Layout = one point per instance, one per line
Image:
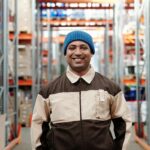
(40, 113)
(120, 109)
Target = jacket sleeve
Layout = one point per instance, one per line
(40, 121)
(122, 121)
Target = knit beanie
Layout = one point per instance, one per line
(78, 36)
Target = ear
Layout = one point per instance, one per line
(92, 55)
(65, 56)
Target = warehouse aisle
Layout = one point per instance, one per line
(26, 141)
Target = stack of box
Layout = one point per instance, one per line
(11, 107)
(134, 110)
(24, 9)
(25, 61)
(25, 113)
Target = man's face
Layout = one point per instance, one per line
(78, 56)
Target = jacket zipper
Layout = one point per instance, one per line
(81, 123)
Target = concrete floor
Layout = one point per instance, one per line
(26, 141)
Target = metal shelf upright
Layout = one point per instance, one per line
(5, 62)
(15, 88)
(147, 52)
(118, 46)
(137, 7)
(36, 50)
(1, 59)
(3, 70)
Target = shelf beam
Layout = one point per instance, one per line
(99, 6)
(77, 6)
(87, 1)
(71, 23)
(21, 36)
(35, 46)
(80, 1)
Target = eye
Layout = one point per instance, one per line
(84, 47)
(71, 47)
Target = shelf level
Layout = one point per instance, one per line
(133, 82)
(75, 22)
(60, 39)
(21, 36)
(86, 1)
(25, 82)
(80, 1)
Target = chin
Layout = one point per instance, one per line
(79, 68)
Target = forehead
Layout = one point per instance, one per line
(78, 43)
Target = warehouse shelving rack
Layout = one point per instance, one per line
(5, 86)
(144, 10)
(141, 8)
(4, 61)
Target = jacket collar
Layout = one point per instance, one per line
(88, 77)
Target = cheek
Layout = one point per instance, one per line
(68, 54)
(89, 57)
(67, 57)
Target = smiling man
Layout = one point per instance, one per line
(74, 111)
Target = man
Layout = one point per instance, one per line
(74, 112)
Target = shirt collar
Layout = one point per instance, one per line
(88, 77)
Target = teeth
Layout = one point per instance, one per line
(77, 59)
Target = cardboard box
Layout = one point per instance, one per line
(134, 111)
(25, 112)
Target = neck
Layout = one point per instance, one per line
(81, 72)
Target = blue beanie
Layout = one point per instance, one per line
(78, 36)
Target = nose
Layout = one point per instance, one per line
(78, 51)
